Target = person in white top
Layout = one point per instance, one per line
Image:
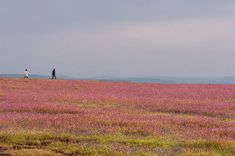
(26, 74)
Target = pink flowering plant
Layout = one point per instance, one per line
(66, 117)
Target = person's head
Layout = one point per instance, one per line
(26, 69)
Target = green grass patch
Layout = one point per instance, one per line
(180, 115)
(80, 149)
(70, 144)
(230, 119)
(118, 143)
(208, 147)
(30, 152)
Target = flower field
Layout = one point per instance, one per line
(65, 117)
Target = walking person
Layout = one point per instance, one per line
(26, 74)
(53, 74)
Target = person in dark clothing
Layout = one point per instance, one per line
(53, 74)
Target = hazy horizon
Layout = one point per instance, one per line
(126, 38)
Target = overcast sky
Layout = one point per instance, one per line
(124, 38)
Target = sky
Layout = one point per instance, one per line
(118, 38)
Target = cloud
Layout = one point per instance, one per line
(39, 16)
(172, 47)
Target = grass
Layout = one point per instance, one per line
(180, 115)
(31, 152)
(204, 147)
(1, 93)
(75, 144)
(45, 143)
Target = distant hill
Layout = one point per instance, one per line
(33, 76)
(21, 76)
(160, 79)
(178, 80)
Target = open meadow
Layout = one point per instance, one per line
(68, 117)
